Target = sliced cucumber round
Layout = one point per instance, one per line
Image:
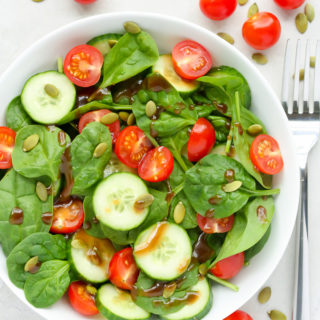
(117, 304)
(102, 42)
(163, 251)
(115, 165)
(197, 308)
(49, 96)
(164, 66)
(114, 199)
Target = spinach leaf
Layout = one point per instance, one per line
(215, 241)
(18, 192)
(221, 127)
(48, 285)
(177, 176)
(86, 169)
(132, 54)
(16, 117)
(201, 104)
(41, 244)
(45, 158)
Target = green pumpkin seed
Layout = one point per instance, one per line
(37, 0)
(169, 290)
(151, 109)
(301, 74)
(179, 212)
(203, 269)
(100, 149)
(226, 36)
(254, 9)
(131, 119)
(78, 244)
(232, 186)
(41, 191)
(276, 315)
(312, 62)
(31, 264)
(109, 118)
(254, 129)
(242, 2)
(124, 116)
(309, 12)
(131, 27)
(51, 90)
(264, 295)
(259, 58)
(112, 43)
(91, 289)
(143, 201)
(301, 22)
(30, 143)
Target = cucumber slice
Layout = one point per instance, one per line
(102, 42)
(115, 165)
(164, 66)
(117, 304)
(114, 198)
(195, 309)
(45, 108)
(90, 257)
(163, 251)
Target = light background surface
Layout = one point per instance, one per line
(24, 21)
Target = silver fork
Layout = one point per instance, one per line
(303, 115)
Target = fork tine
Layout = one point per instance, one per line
(296, 78)
(317, 80)
(306, 103)
(286, 77)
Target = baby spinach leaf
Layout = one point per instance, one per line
(87, 169)
(221, 127)
(18, 192)
(16, 117)
(48, 285)
(45, 158)
(177, 176)
(41, 244)
(132, 54)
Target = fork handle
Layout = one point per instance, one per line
(301, 303)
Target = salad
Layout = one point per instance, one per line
(133, 180)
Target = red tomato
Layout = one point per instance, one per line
(67, 216)
(82, 65)
(123, 271)
(7, 138)
(191, 60)
(201, 140)
(85, 1)
(131, 145)
(212, 225)
(218, 9)
(238, 315)
(156, 165)
(81, 300)
(229, 267)
(265, 154)
(289, 4)
(91, 116)
(262, 30)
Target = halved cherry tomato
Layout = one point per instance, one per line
(262, 30)
(218, 9)
(123, 270)
(289, 4)
(7, 138)
(81, 300)
(238, 315)
(131, 145)
(91, 116)
(82, 65)
(228, 267)
(156, 165)
(265, 154)
(201, 140)
(191, 60)
(212, 225)
(67, 216)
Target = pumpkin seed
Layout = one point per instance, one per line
(309, 12)
(203, 269)
(301, 22)
(151, 109)
(232, 186)
(143, 201)
(312, 61)
(276, 315)
(301, 74)
(112, 43)
(131, 27)
(78, 244)
(254, 9)
(124, 116)
(169, 290)
(41, 191)
(51, 90)
(242, 2)
(100, 149)
(254, 129)
(91, 289)
(109, 118)
(30, 143)
(226, 36)
(179, 212)
(259, 58)
(37, 0)
(31, 264)
(264, 295)
(131, 119)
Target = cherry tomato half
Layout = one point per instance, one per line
(7, 138)
(218, 9)
(191, 60)
(212, 225)
(289, 4)
(81, 300)
(123, 271)
(82, 65)
(265, 154)
(156, 165)
(228, 267)
(67, 216)
(201, 140)
(262, 30)
(91, 116)
(238, 315)
(131, 145)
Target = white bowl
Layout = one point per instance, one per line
(167, 31)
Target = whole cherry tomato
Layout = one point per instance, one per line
(228, 267)
(289, 4)
(85, 1)
(218, 9)
(238, 315)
